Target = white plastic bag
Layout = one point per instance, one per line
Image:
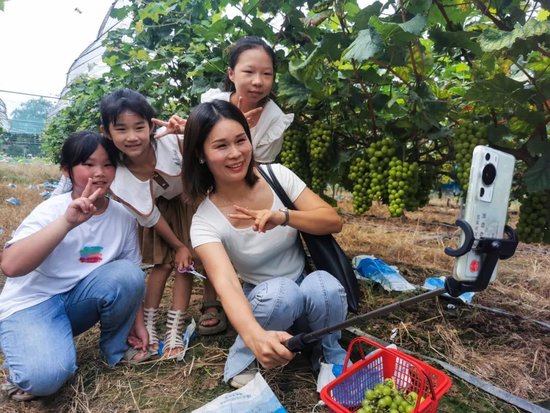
(255, 397)
(327, 373)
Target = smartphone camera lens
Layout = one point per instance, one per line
(488, 174)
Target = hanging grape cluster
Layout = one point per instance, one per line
(295, 153)
(467, 136)
(534, 218)
(369, 174)
(403, 183)
(320, 143)
(359, 176)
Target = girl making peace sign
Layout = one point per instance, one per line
(72, 262)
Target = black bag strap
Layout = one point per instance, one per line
(276, 185)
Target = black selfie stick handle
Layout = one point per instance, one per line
(301, 341)
(492, 250)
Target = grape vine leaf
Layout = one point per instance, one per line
(362, 18)
(415, 25)
(419, 6)
(492, 40)
(463, 40)
(538, 146)
(292, 91)
(367, 44)
(501, 91)
(398, 34)
(500, 135)
(537, 177)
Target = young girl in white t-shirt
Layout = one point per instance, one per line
(149, 183)
(73, 262)
(248, 85)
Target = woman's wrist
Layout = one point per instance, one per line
(249, 336)
(286, 216)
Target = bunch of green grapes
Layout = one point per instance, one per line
(320, 143)
(534, 218)
(403, 186)
(295, 153)
(359, 176)
(380, 154)
(386, 398)
(467, 136)
(369, 174)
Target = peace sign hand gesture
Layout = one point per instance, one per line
(81, 209)
(252, 116)
(175, 124)
(262, 220)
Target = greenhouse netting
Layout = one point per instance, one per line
(89, 62)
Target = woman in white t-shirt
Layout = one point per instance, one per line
(241, 227)
(248, 85)
(73, 262)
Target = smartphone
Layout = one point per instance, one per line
(486, 205)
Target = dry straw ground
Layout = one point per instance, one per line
(509, 351)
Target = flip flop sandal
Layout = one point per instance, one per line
(15, 393)
(130, 356)
(220, 326)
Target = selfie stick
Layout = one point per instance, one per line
(492, 249)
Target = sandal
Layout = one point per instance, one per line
(174, 332)
(15, 393)
(220, 326)
(136, 356)
(150, 319)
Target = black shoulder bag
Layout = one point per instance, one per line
(324, 251)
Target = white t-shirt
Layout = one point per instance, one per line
(267, 135)
(139, 196)
(109, 236)
(257, 257)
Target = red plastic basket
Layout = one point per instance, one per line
(345, 393)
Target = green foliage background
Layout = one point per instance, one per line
(405, 70)
(30, 116)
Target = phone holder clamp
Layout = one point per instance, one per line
(490, 249)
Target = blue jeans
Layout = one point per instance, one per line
(310, 303)
(38, 344)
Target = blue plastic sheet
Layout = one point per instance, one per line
(374, 269)
(431, 283)
(48, 185)
(14, 201)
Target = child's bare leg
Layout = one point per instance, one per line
(156, 281)
(181, 295)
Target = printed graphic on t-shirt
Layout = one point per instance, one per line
(91, 254)
(176, 158)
